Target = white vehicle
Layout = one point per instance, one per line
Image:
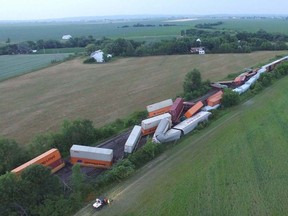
(100, 202)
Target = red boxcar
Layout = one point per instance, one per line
(176, 109)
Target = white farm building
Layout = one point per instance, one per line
(66, 37)
(98, 56)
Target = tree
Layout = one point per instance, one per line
(230, 98)
(193, 86)
(77, 178)
(90, 48)
(11, 155)
(192, 81)
(265, 79)
(78, 131)
(8, 41)
(11, 196)
(38, 184)
(120, 47)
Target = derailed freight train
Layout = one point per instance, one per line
(163, 134)
(91, 156)
(51, 159)
(252, 79)
(165, 123)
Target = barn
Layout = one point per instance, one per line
(98, 56)
(66, 37)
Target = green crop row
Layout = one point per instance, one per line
(15, 65)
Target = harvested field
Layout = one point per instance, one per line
(39, 102)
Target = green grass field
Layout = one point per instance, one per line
(35, 31)
(236, 166)
(61, 50)
(248, 25)
(16, 65)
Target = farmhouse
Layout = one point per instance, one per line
(99, 56)
(66, 37)
(199, 50)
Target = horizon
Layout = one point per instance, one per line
(31, 10)
(144, 16)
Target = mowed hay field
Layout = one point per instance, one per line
(39, 102)
(236, 166)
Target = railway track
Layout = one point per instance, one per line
(116, 143)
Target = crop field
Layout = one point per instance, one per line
(18, 32)
(61, 50)
(236, 166)
(38, 102)
(253, 25)
(16, 65)
(36, 31)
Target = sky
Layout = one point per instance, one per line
(50, 9)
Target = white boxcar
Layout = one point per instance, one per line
(159, 105)
(164, 125)
(170, 135)
(92, 153)
(132, 139)
(262, 70)
(154, 121)
(162, 128)
(189, 124)
(208, 108)
(252, 80)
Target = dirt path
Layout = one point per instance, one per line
(126, 193)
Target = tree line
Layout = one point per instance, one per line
(213, 42)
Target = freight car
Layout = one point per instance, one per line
(215, 99)
(159, 108)
(91, 156)
(194, 109)
(163, 135)
(133, 139)
(176, 109)
(149, 125)
(189, 124)
(51, 159)
(269, 67)
(239, 80)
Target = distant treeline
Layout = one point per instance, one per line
(148, 25)
(208, 25)
(212, 41)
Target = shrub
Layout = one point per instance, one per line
(230, 98)
(256, 88)
(146, 153)
(89, 61)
